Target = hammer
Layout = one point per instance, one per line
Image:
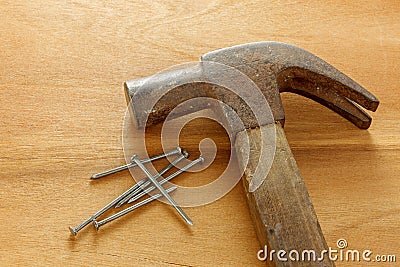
(280, 207)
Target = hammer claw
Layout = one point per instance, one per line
(342, 106)
(335, 100)
(291, 69)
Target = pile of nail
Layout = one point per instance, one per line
(141, 189)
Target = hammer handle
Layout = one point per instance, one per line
(280, 207)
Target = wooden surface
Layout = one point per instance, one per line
(62, 105)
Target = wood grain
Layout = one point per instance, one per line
(62, 106)
(283, 215)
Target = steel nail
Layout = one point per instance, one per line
(147, 182)
(97, 224)
(163, 192)
(75, 230)
(130, 165)
(135, 197)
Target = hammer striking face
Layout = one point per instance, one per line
(281, 209)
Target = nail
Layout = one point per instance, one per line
(177, 150)
(97, 224)
(130, 165)
(163, 181)
(163, 192)
(75, 230)
(147, 182)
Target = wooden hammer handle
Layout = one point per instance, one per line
(281, 209)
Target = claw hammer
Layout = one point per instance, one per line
(281, 210)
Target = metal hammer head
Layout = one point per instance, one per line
(274, 67)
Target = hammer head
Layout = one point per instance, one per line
(274, 67)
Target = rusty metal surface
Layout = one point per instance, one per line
(141, 93)
(279, 67)
(274, 67)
